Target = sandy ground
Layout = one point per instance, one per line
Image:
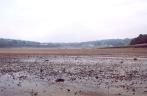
(76, 52)
(71, 75)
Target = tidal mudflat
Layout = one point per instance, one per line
(61, 75)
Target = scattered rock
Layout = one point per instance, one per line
(121, 62)
(46, 60)
(96, 77)
(22, 77)
(34, 93)
(135, 59)
(68, 90)
(133, 90)
(60, 80)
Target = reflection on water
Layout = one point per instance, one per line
(21, 83)
(24, 84)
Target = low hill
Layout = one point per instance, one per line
(9, 43)
(4, 43)
(141, 39)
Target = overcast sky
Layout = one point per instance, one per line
(72, 20)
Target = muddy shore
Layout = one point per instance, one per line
(98, 75)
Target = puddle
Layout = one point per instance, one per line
(24, 84)
(13, 84)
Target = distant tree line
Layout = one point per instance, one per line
(8, 43)
(141, 39)
(17, 43)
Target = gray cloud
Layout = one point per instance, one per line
(72, 21)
